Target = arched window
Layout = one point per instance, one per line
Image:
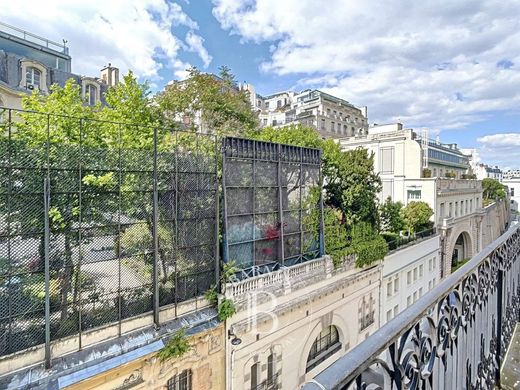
(32, 77)
(91, 92)
(181, 381)
(326, 344)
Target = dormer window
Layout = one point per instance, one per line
(91, 94)
(32, 78)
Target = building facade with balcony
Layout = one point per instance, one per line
(292, 323)
(31, 63)
(331, 116)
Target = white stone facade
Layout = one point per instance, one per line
(331, 116)
(408, 274)
(280, 316)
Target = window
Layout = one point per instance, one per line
(254, 376)
(450, 210)
(266, 105)
(409, 277)
(328, 111)
(32, 77)
(323, 124)
(420, 292)
(415, 296)
(387, 160)
(430, 262)
(414, 194)
(279, 104)
(345, 131)
(434, 172)
(421, 271)
(389, 289)
(326, 344)
(415, 274)
(366, 313)
(434, 262)
(270, 369)
(91, 93)
(265, 121)
(181, 381)
(339, 128)
(512, 191)
(332, 126)
(429, 285)
(408, 300)
(433, 282)
(396, 284)
(388, 315)
(396, 310)
(387, 190)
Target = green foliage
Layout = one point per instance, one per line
(102, 181)
(370, 251)
(212, 295)
(416, 216)
(469, 176)
(367, 244)
(451, 175)
(336, 240)
(493, 189)
(226, 309)
(426, 173)
(390, 216)
(224, 109)
(177, 346)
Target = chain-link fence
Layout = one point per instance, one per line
(273, 212)
(99, 222)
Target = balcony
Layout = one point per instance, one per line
(454, 337)
(269, 384)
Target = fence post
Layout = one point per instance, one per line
(280, 205)
(217, 216)
(155, 235)
(500, 301)
(46, 205)
(322, 222)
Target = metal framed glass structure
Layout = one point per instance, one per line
(273, 211)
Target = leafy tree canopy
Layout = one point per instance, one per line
(390, 215)
(215, 102)
(493, 189)
(416, 216)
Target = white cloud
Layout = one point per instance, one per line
(432, 64)
(196, 45)
(501, 149)
(141, 35)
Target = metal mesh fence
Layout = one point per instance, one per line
(93, 231)
(272, 204)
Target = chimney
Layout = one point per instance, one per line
(110, 75)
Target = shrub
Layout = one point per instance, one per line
(226, 309)
(427, 173)
(176, 347)
(370, 251)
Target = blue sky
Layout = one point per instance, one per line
(450, 67)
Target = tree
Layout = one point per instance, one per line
(208, 103)
(493, 190)
(416, 216)
(390, 215)
(53, 142)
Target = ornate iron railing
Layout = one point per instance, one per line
(454, 337)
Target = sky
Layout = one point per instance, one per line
(452, 67)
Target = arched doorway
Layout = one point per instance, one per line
(461, 250)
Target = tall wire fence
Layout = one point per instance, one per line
(273, 209)
(100, 222)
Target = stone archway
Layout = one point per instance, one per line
(462, 249)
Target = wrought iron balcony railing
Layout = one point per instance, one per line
(454, 337)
